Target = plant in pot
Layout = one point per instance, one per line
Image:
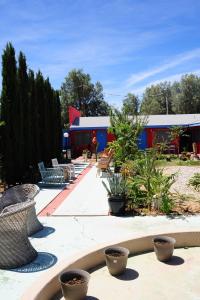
(74, 284)
(116, 188)
(163, 247)
(116, 259)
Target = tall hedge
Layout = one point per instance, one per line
(9, 111)
(30, 109)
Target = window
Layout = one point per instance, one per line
(82, 138)
(196, 134)
(161, 136)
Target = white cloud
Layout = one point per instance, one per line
(172, 78)
(135, 78)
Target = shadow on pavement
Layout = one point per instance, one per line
(175, 261)
(44, 232)
(129, 274)
(43, 261)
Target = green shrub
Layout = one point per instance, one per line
(195, 181)
(150, 187)
(127, 130)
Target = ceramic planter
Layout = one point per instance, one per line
(164, 247)
(116, 205)
(116, 259)
(74, 284)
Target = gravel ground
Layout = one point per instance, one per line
(184, 173)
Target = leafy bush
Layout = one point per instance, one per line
(127, 129)
(195, 181)
(150, 187)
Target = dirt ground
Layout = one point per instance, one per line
(187, 199)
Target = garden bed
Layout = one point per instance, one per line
(186, 199)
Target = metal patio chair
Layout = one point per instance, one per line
(51, 176)
(70, 169)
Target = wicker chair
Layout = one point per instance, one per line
(69, 167)
(104, 163)
(15, 247)
(51, 176)
(22, 193)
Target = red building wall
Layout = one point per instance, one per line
(110, 137)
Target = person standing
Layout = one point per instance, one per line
(94, 146)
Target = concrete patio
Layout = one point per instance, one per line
(80, 222)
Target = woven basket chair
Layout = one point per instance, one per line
(22, 193)
(15, 247)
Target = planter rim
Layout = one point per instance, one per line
(74, 271)
(122, 197)
(164, 238)
(117, 248)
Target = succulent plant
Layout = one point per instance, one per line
(116, 185)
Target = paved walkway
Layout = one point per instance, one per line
(85, 200)
(64, 236)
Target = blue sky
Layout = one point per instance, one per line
(125, 44)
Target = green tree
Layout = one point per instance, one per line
(30, 113)
(186, 95)
(131, 104)
(78, 91)
(157, 99)
(57, 128)
(127, 129)
(96, 105)
(32, 122)
(39, 94)
(21, 120)
(9, 112)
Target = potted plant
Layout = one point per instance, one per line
(116, 259)
(163, 247)
(74, 284)
(116, 188)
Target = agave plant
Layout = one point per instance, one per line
(116, 185)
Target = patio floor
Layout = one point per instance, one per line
(77, 225)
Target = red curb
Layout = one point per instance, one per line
(53, 205)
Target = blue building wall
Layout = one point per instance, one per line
(142, 142)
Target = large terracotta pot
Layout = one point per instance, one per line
(74, 284)
(163, 247)
(116, 259)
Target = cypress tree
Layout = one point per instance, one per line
(32, 119)
(47, 134)
(23, 117)
(57, 125)
(9, 113)
(39, 98)
(30, 109)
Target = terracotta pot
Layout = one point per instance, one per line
(116, 259)
(74, 284)
(163, 247)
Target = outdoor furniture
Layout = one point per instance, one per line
(104, 162)
(172, 149)
(15, 247)
(51, 176)
(22, 193)
(68, 168)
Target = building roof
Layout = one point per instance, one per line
(152, 121)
